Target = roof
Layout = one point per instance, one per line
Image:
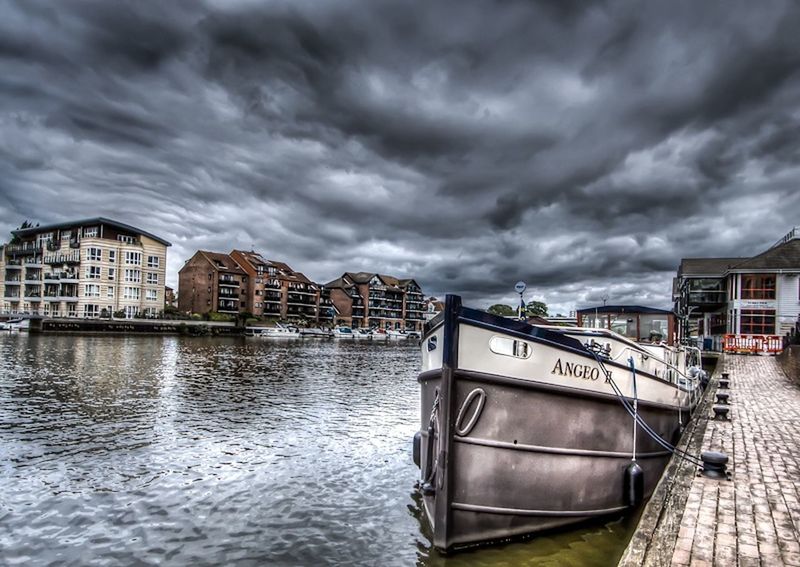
(708, 267)
(784, 256)
(625, 309)
(86, 222)
(223, 262)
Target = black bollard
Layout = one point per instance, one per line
(724, 383)
(714, 464)
(720, 412)
(722, 396)
(726, 375)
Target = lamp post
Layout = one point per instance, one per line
(519, 287)
(596, 317)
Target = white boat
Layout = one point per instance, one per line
(379, 335)
(527, 428)
(315, 333)
(343, 333)
(277, 332)
(362, 334)
(17, 325)
(396, 334)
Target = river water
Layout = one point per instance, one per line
(148, 450)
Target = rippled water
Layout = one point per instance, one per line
(178, 451)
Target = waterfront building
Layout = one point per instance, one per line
(636, 322)
(432, 308)
(84, 268)
(212, 281)
(276, 290)
(368, 300)
(169, 297)
(246, 282)
(730, 300)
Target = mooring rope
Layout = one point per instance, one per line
(638, 419)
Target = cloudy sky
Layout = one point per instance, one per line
(581, 147)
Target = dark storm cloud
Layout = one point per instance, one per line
(582, 147)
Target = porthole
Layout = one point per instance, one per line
(510, 347)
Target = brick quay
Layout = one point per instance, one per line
(753, 518)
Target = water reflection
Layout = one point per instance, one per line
(126, 450)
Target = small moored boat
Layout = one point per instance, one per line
(315, 333)
(277, 332)
(342, 332)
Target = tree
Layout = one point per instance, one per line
(536, 309)
(500, 309)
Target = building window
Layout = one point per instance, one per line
(758, 286)
(126, 239)
(90, 232)
(153, 261)
(133, 276)
(151, 295)
(131, 293)
(91, 290)
(93, 272)
(91, 311)
(757, 322)
(152, 278)
(133, 258)
(112, 256)
(94, 254)
(112, 273)
(111, 291)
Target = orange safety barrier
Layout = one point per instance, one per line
(753, 344)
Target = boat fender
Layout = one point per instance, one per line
(634, 485)
(417, 447)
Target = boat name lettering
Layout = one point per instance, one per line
(576, 370)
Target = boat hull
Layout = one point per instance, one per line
(530, 463)
(511, 445)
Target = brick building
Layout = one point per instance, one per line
(211, 281)
(370, 300)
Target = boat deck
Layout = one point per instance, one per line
(754, 517)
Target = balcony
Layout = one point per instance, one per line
(13, 265)
(33, 298)
(72, 258)
(228, 281)
(9, 295)
(24, 248)
(13, 281)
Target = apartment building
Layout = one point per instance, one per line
(84, 268)
(247, 282)
(363, 299)
(277, 290)
(211, 281)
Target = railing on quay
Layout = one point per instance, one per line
(753, 344)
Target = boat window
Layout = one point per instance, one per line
(509, 347)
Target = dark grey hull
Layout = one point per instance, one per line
(534, 457)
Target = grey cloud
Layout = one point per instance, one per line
(584, 148)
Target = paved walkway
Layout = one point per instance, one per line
(754, 518)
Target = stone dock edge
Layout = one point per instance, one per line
(653, 541)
